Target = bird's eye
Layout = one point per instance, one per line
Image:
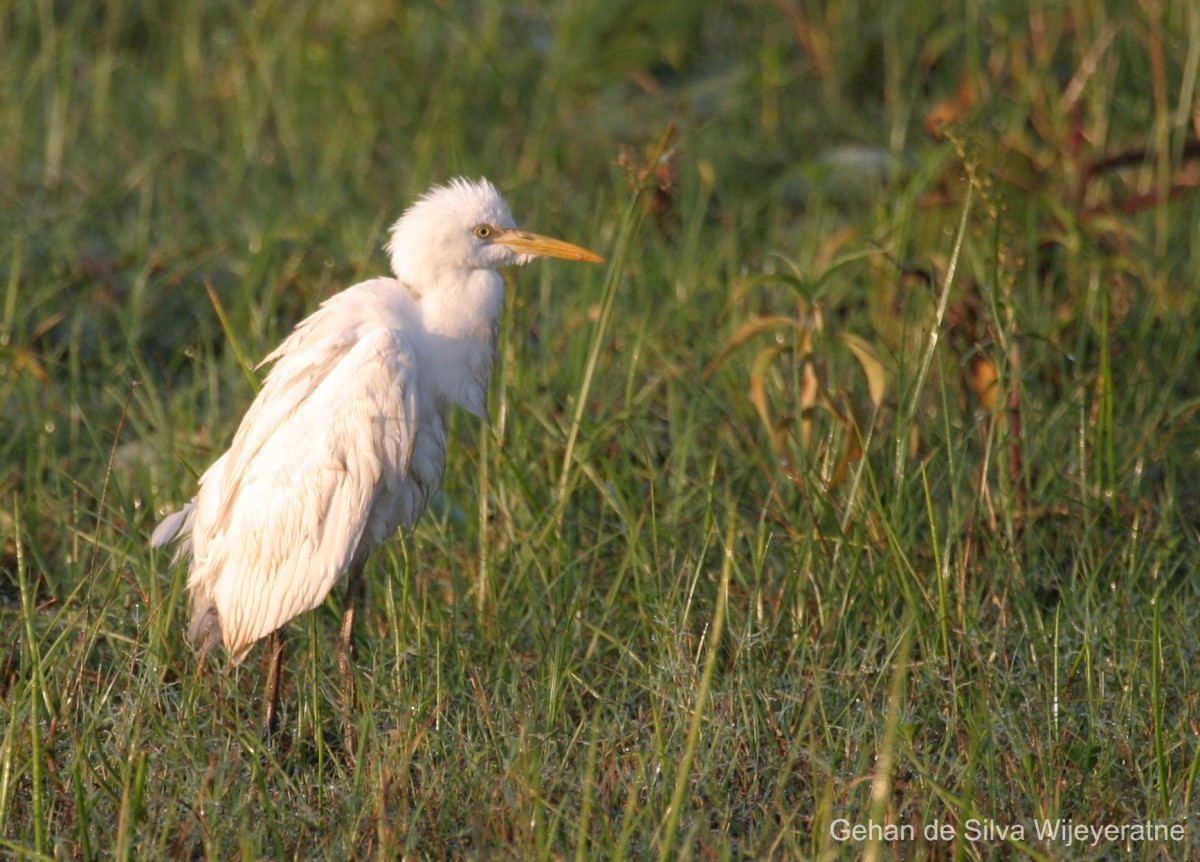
(483, 231)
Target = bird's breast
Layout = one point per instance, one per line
(403, 496)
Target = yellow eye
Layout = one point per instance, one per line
(483, 231)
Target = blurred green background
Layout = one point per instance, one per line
(861, 484)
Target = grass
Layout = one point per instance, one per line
(861, 488)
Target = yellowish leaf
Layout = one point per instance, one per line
(747, 331)
(984, 379)
(758, 392)
(871, 366)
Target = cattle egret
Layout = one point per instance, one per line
(346, 441)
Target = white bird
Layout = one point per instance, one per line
(346, 441)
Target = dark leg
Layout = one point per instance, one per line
(275, 649)
(356, 588)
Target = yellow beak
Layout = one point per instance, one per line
(524, 242)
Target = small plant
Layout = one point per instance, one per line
(796, 379)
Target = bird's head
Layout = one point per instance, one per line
(462, 226)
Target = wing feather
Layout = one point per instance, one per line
(281, 516)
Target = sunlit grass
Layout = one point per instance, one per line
(662, 608)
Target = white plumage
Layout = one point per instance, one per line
(346, 441)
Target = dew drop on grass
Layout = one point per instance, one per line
(49, 427)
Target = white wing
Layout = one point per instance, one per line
(279, 518)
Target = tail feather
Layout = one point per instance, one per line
(205, 629)
(172, 526)
(176, 526)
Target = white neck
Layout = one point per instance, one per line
(460, 316)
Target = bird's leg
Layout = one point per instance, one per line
(348, 653)
(275, 649)
(355, 591)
